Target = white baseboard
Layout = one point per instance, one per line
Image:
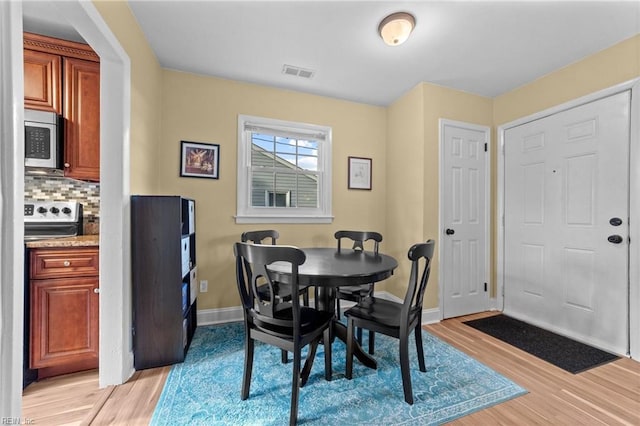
(219, 316)
(431, 316)
(493, 304)
(234, 314)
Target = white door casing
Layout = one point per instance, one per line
(566, 182)
(464, 204)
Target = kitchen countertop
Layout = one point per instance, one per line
(78, 241)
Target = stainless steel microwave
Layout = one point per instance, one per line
(42, 139)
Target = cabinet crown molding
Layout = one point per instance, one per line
(58, 46)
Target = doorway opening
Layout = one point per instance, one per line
(116, 360)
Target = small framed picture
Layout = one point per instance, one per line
(359, 173)
(199, 159)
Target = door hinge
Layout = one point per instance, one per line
(485, 147)
(485, 287)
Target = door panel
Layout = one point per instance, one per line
(82, 119)
(566, 176)
(463, 212)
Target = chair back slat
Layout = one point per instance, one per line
(359, 238)
(252, 261)
(419, 254)
(257, 237)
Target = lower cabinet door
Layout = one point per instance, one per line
(64, 321)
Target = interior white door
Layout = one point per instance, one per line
(566, 228)
(463, 251)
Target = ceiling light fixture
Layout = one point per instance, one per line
(395, 28)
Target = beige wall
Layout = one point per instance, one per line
(146, 94)
(405, 183)
(205, 109)
(413, 154)
(604, 69)
(169, 106)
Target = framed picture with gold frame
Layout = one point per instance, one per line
(199, 159)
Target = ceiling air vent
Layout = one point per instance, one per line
(297, 71)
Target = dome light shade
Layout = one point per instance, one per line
(395, 28)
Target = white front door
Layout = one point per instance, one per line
(566, 224)
(463, 195)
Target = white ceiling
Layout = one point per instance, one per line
(481, 47)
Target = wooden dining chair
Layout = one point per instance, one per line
(284, 324)
(396, 319)
(357, 293)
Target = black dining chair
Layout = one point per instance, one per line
(284, 324)
(357, 293)
(282, 290)
(396, 319)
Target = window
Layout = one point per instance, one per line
(284, 172)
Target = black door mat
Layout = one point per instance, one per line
(572, 356)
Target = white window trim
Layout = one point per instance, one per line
(247, 214)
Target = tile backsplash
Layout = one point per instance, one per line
(42, 188)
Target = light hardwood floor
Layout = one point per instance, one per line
(606, 395)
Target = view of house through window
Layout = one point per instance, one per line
(284, 171)
(282, 199)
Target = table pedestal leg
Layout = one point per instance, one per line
(340, 331)
(326, 301)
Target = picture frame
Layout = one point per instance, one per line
(200, 160)
(360, 173)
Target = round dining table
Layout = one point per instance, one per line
(327, 269)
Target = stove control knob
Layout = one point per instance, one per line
(42, 210)
(66, 210)
(54, 210)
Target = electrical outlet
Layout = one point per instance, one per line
(204, 286)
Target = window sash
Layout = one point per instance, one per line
(285, 131)
(299, 210)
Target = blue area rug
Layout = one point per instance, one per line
(205, 389)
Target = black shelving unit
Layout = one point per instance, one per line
(163, 251)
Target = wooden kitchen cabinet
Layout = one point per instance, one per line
(64, 77)
(42, 81)
(64, 323)
(82, 119)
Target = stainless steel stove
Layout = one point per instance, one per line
(52, 219)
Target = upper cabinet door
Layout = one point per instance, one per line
(42, 81)
(82, 119)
